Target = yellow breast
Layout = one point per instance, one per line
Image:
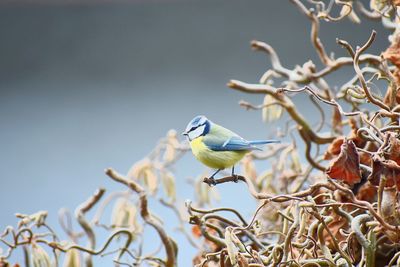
(214, 159)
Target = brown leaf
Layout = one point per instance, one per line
(365, 158)
(393, 153)
(398, 92)
(196, 231)
(334, 148)
(346, 167)
(358, 141)
(242, 260)
(367, 192)
(393, 52)
(387, 167)
(335, 226)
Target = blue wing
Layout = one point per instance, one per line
(235, 143)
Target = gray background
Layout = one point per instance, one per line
(85, 86)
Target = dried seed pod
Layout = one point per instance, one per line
(271, 112)
(72, 258)
(172, 143)
(296, 165)
(137, 171)
(230, 245)
(124, 214)
(151, 180)
(168, 182)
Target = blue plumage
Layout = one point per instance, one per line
(235, 143)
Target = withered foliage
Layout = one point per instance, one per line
(330, 198)
(346, 166)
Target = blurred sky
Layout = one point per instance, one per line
(89, 85)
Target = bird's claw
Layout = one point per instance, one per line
(235, 178)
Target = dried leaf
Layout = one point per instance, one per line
(393, 55)
(353, 136)
(367, 192)
(389, 166)
(385, 169)
(144, 170)
(196, 232)
(137, 171)
(169, 153)
(283, 158)
(124, 214)
(346, 167)
(334, 227)
(168, 181)
(271, 112)
(249, 168)
(296, 165)
(337, 125)
(170, 147)
(393, 151)
(242, 260)
(264, 179)
(230, 246)
(334, 148)
(202, 192)
(151, 180)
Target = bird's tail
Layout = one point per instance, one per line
(263, 142)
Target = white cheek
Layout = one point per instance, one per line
(196, 133)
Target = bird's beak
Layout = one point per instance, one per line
(185, 133)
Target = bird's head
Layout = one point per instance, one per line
(198, 126)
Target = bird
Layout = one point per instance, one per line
(218, 147)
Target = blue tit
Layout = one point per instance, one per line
(216, 146)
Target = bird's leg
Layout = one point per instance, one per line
(211, 178)
(235, 177)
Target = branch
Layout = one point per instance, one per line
(314, 33)
(80, 215)
(147, 216)
(285, 102)
(276, 63)
(359, 73)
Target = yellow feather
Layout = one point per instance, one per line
(215, 159)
